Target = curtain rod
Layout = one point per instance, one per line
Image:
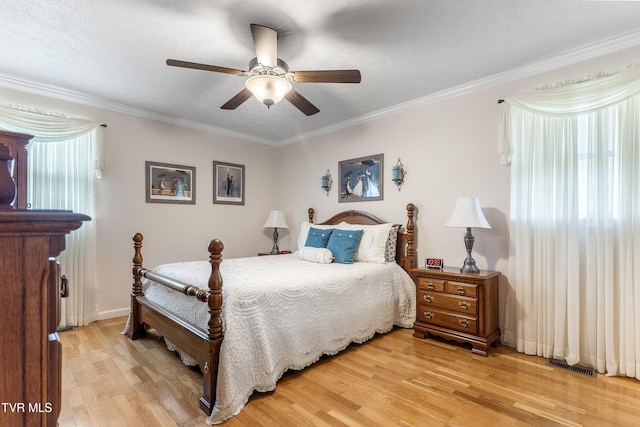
(500, 101)
(104, 125)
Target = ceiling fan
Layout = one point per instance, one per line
(269, 76)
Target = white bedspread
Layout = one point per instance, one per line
(281, 313)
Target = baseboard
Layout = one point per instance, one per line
(110, 314)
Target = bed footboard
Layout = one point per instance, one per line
(202, 345)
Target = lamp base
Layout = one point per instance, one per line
(275, 250)
(469, 265)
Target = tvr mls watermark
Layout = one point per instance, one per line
(23, 407)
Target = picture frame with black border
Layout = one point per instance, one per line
(361, 179)
(228, 183)
(170, 183)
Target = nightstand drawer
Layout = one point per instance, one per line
(430, 284)
(465, 305)
(447, 319)
(457, 288)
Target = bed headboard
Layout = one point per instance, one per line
(405, 248)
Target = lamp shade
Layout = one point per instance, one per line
(276, 220)
(467, 213)
(267, 88)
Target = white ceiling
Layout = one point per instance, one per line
(111, 53)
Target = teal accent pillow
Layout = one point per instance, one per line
(343, 244)
(318, 238)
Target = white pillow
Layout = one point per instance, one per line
(373, 244)
(319, 255)
(304, 232)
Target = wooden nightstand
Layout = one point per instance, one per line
(457, 306)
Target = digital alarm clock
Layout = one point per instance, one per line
(434, 263)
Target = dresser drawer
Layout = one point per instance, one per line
(465, 305)
(458, 288)
(458, 322)
(429, 284)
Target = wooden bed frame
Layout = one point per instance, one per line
(204, 345)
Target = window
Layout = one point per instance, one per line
(61, 175)
(574, 152)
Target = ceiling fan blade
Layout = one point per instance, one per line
(301, 103)
(327, 76)
(205, 67)
(265, 40)
(237, 100)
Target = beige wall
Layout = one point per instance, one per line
(448, 149)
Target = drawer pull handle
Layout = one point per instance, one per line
(428, 315)
(464, 305)
(428, 298)
(430, 286)
(464, 323)
(460, 290)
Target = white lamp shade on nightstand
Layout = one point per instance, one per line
(276, 220)
(467, 213)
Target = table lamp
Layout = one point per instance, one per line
(275, 220)
(467, 213)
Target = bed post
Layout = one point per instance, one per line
(214, 329)
(410, 260)
(310, 212)
(136, 328)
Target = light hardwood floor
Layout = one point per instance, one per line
(392, 380)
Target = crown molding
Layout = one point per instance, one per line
(585, 53)
(93, 101)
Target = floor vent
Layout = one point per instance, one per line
(583, 370)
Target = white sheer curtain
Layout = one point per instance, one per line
(574, 152)
(65, 158)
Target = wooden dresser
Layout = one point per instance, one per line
(30, 289)
(457, 306)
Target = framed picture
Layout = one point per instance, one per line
(166, 183)
(361, 179)
(228, 183)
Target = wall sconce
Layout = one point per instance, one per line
(326, 182)
(397, 174)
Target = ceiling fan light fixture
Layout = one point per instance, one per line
(267, 88)
(269, 79)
